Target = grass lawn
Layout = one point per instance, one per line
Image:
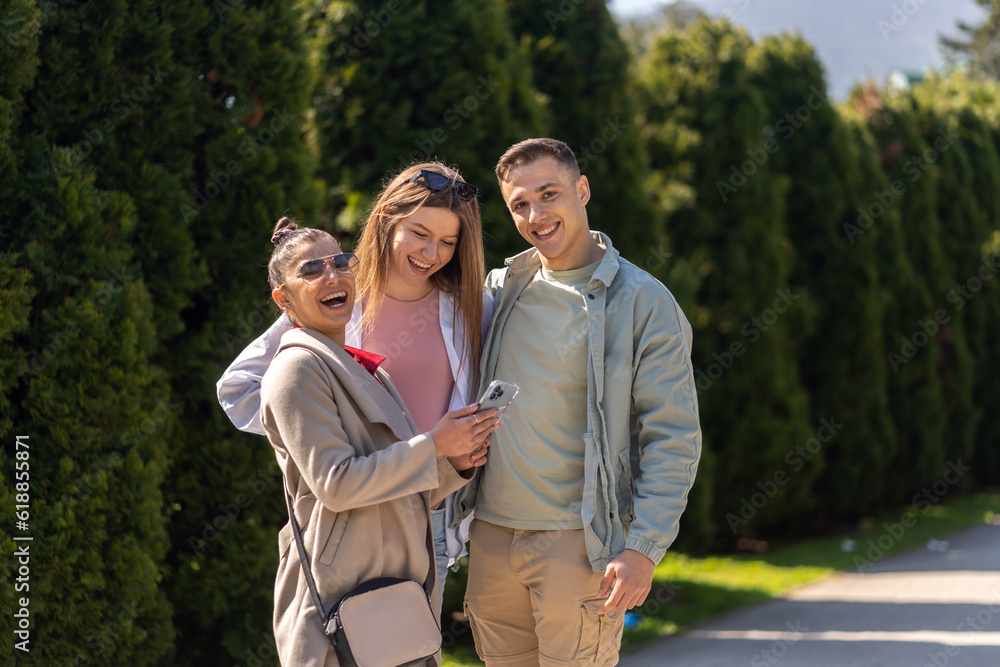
(688, 590)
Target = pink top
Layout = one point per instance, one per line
(408, 334)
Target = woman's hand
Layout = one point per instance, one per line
(474, 460)
(461, 432)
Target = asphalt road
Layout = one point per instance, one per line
(923, 608)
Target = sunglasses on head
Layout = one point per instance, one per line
(440, 182)
(312, 271)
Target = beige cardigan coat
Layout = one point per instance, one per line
(361, 479)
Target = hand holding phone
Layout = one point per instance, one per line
(498, 395)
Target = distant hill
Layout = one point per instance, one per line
(855, 39)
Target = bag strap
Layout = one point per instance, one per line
(306, 569)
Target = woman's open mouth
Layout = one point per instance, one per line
(418, 266)
(335, 300)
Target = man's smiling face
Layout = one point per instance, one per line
(548, 206)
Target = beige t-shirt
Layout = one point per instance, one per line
(533, 478)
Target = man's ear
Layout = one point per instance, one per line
(583, 190)
(280, 299)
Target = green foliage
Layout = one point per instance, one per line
(85, 384)
(841, 359)
(406, 82)
(199, 113)
(913, 353)
(962, 232)
(146, 150)
(251, 161)
(704, 114)
(20, 23)
(979, 43)
(577, 54)
(969, 224)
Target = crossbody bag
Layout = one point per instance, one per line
(383, 622)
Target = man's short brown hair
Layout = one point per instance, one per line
(529, 150)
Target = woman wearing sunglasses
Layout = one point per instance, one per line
(420, 304)
(360, 473)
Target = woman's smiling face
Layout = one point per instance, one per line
(325, 305)
(422, 244)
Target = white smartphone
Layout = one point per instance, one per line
(498, 395)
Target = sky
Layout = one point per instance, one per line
(855, 39)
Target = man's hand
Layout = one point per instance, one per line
(631, 575)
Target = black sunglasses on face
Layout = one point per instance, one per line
(440, 182)
(313, 270)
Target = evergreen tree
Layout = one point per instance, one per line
(841, 358)
(252, 161)
(78, 339)
(640, 32)
(131, 113)
(979, 44)
(199, 112)
(407, 82)
(912, 355)
(961, 235)
(732, 236)
(970, 218)
(581, 65)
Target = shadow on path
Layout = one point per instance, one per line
(921, 608)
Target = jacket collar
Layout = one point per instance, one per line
(529, 261)
(375, 395)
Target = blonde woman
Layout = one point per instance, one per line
(421, 304)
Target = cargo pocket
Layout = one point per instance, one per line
(601, 635)
(476, 637)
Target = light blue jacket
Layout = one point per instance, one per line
(643, 439)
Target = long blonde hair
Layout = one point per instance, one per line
(462, 277)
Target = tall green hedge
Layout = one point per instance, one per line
(405, 82)
(252, 161)
(970, 222)
(732, 233)
(577, 54)
(840, 357)
(913, 349)
(836, 262)
(79, 337)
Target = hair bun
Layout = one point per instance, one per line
(282, 229)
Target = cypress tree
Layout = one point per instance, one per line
(912, 355)
(116, 87)
(577, 54)
(978, 43)
(78, 340)
(959, 214)
(252, 161)
(406, 82)
(199, 112)
(841, 358)
(732, 235)
(970, 216)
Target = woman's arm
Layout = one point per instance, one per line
(239, 387)
(302, 418)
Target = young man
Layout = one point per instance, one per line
(590, 468)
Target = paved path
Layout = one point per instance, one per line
(922, 608)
